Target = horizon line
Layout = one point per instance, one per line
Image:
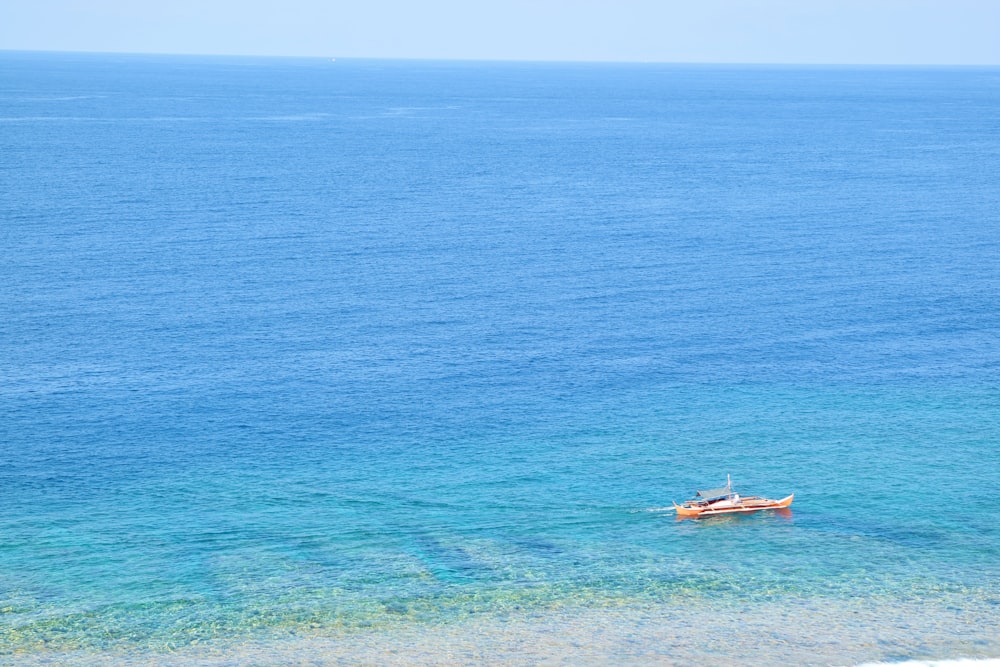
(334, 58)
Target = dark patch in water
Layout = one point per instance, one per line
(539, 547)
(449, 564)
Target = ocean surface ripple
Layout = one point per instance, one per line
(402, 362)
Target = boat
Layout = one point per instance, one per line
(725, 500)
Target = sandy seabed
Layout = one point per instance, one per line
(786, 631)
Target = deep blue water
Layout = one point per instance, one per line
(293, 344)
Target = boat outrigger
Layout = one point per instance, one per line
(725, 500)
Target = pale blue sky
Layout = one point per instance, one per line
(738, 31)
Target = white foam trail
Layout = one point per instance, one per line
(654, 509)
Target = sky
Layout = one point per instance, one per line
(946, 32)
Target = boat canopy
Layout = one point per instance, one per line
(721, 492)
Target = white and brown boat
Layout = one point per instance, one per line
(725, 500)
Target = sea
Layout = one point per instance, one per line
(328, 362)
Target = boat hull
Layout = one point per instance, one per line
(737, 508)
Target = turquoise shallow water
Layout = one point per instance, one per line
(373, 353)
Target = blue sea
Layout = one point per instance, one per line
(381, 362)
